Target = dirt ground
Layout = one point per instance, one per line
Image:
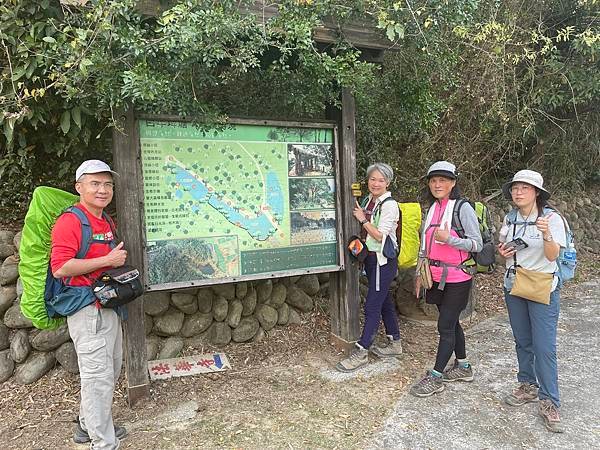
(274, 397)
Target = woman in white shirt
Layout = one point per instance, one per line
(379, 218)
(530, 238)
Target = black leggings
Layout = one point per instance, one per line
(450, 303)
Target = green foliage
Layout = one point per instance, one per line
(493, 86)
(506, 85)
(67, 69)
(311, 193)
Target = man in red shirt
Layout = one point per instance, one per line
(96, 331)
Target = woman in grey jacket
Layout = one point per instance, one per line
(448, 255)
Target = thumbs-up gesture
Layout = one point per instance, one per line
(117, 256)
(442, 234)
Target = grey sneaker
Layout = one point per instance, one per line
(81, 436)
(458, 373)
(549, 412)
(392, 348)
(524, 393)
(358, 358)
(429, 385)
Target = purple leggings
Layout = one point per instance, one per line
(379, 304)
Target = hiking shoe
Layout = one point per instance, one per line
(358, 358)
(524, 393)
(392, 348)
(81, 436)
(429, 385)
(458, 373)
(549, 412)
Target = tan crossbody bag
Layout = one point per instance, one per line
(424, 273)
(424, 270)
(530, 284)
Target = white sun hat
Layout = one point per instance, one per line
(530, 177)
(92, 166)
(443, 169)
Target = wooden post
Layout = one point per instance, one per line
(129, 207)
(344, 286)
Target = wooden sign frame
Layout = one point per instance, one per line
(343, 284)
(138, 215)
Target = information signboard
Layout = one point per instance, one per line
(246, 201)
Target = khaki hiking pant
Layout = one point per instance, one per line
(98, 340)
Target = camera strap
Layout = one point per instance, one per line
(521, 231)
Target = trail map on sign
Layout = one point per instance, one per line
(235, 188)
(211, 198)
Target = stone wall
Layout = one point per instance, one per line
(582, 214)
(221, 314)
(217, 315)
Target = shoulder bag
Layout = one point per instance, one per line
(117, 287)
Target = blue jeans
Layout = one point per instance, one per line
(534, 327)
(379, 304)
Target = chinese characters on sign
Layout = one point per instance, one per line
(189, 365)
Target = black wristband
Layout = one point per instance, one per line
(362, 222)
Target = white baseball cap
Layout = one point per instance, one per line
(526, 176)
(92, 166)
(443, 169)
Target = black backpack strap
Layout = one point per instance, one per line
(399, 229)
(113, 229)
(399, 225)
(456, 223)
(377, 210)
(458, 227)
(378, 207)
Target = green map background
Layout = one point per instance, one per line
(180, 232)
(210, 162)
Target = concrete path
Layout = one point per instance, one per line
(473, 415)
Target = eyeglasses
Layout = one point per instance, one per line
(96, 185)
(523, 188)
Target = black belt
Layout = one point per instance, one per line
(470, 270)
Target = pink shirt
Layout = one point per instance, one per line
(444, 252)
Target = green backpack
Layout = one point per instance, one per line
(486, 258)
(46, 205)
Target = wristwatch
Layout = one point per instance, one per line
(362, 222)
(550, 238)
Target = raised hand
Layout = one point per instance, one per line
(543, 224)
(117, 256)
(358, 213)
(442, 234)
